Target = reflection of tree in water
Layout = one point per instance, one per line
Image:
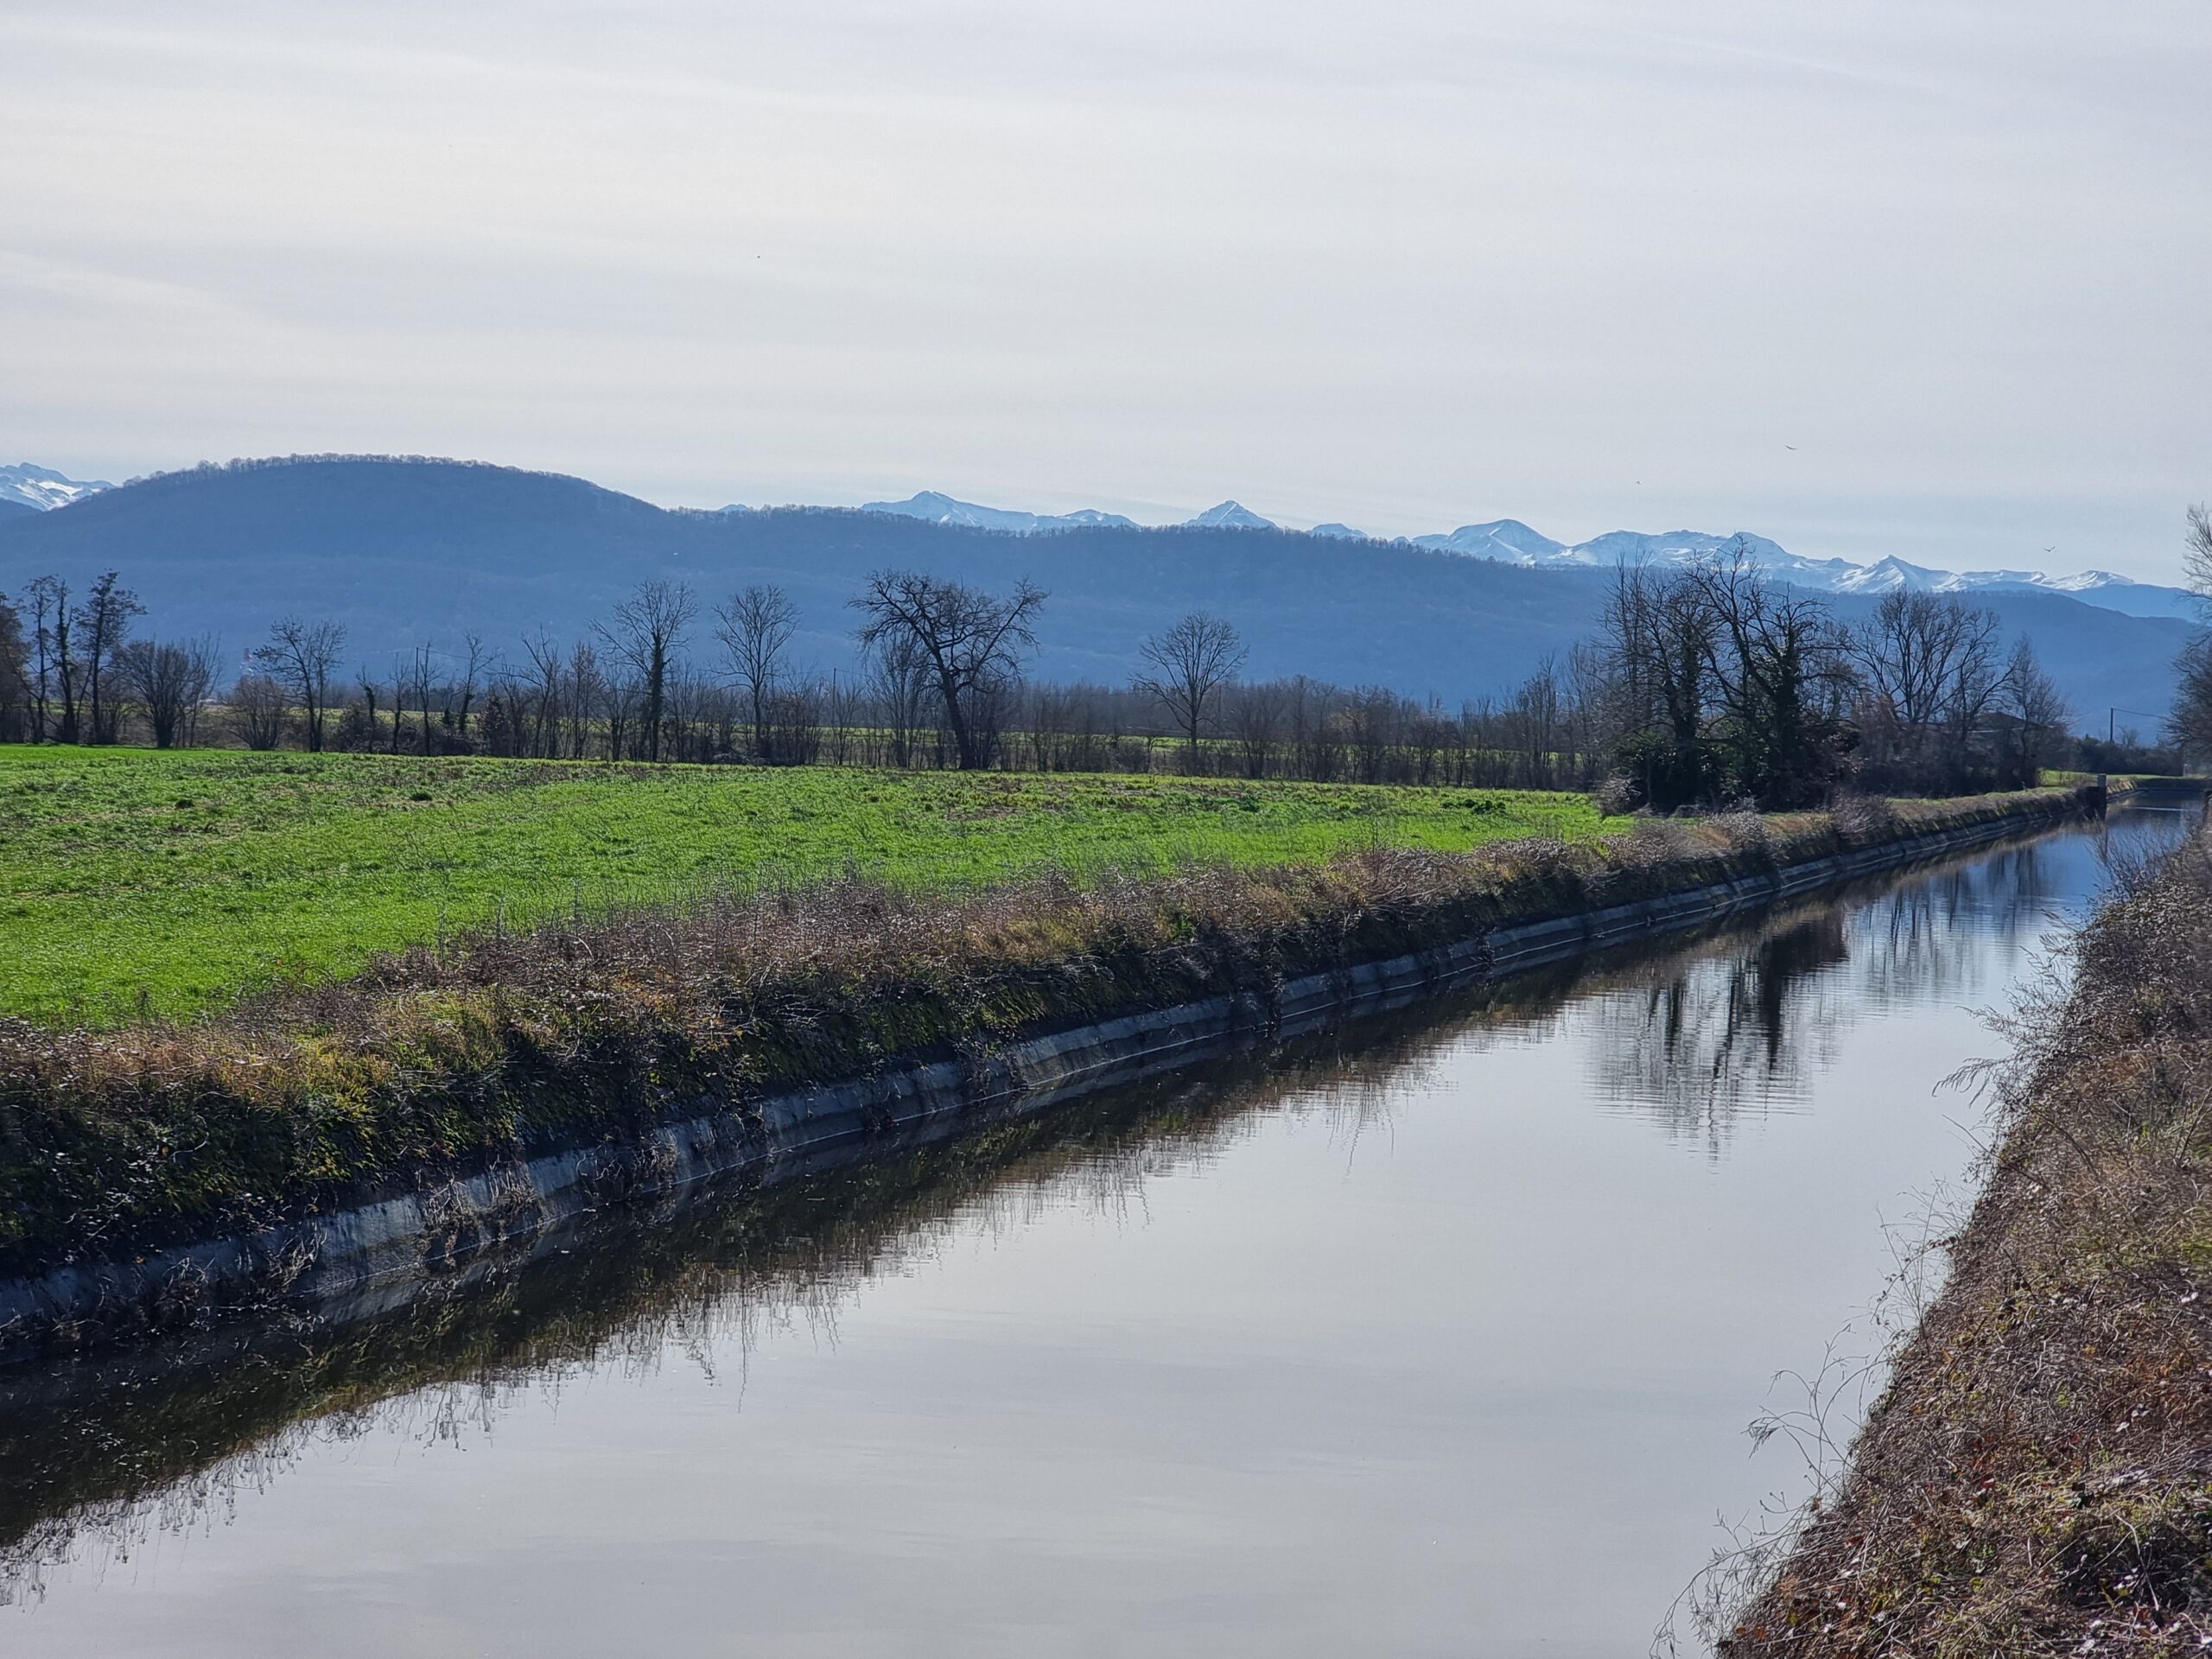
(1710, 1035)
(1701, 1038)
(1714, 1033)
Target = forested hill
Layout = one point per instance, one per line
(403, 551)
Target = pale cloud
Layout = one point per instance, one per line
(1407, 264)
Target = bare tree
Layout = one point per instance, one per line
(840, 704)
(899, 680)
(2036, 714)
(587, 690)
(648, 629)
(1928, 662)
(399, 666)
(2190, 726)
(169, 680)
(548, 676)
(302, 655)
(620, 696)
(1371, 725)
(1536, 720)
(795, 726)
(1662, 635)
(1191, 664)
(1256, 714)
(103, 623)
(2196, 554)
(476, 661)
(420, 678)
(756, 628)
(260, 707)
(54, 660)
(14, 677)
(1780, 680)
(371, 687)
(971, 643)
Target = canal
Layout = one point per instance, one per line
(1441, 1335)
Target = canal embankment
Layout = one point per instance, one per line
(451, 1102)
(2037, 1478)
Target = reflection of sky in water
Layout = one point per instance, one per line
(1414, 1346)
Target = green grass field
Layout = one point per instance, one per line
(134, 881)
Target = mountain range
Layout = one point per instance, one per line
(1505, 539)
(406, 550)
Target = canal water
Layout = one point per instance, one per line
(1440, 1336)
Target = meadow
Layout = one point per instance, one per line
(134, 883)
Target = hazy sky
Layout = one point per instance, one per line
(1911, 276)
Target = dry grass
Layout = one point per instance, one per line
(2037, 1479)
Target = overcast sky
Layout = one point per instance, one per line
(1912, 276)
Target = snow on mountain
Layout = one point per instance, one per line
(1693, 547)
(1231, 515)
(1502, 538)
(2088, 579)
(1511, 542)
(1514, 543)
(941, 509)
(1888, 575)
(44, 488)
(2098, 587)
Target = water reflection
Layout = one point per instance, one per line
(97, 1457)
(1717, 1035)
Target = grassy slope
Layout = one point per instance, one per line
(592, 1032)
(190, 878)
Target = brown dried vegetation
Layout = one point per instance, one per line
(2037, 1479)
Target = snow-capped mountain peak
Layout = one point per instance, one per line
(1889, 576)
(1502, 538)
(939, 508)
(1336, 532)
(1231, 515)
(44, 488)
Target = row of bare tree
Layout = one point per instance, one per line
(1704, 685)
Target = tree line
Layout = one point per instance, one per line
(1703, 685)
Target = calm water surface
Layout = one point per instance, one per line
(1439, 1338)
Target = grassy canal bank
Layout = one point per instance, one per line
(136, 883)
(598, 1029)
(2037, 1479)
